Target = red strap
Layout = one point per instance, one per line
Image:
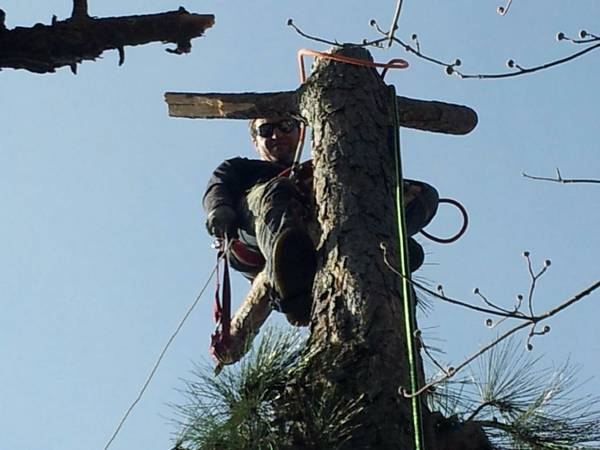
(246, 255)
(220, 339)
(226, 317)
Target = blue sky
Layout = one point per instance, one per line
(102, 240)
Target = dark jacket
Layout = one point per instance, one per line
(234, 177)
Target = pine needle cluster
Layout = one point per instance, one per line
(262, 403)
(236, 410)
(522, 406)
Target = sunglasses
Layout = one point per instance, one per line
(286, 126)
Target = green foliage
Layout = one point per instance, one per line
(236, 410)
(263, 403)
(522, 406)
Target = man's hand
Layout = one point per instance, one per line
(222, 221)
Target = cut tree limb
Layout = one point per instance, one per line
(44, 48)
(249, 105)
(419, 114)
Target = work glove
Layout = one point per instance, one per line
(222, 221)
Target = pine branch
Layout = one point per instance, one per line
(505, 396)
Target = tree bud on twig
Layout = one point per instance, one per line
(290, 22)
(372, 22)
(489, 323)
(560, 36)
(510, 63)
(449, 70)
(547, 329)
(519, 297)
(529, 346)
(457, 62)
(525, 254)
(501, 10)
(583, 34)
(476, 291)
(547, 263)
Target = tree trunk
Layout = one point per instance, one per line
(357, 342)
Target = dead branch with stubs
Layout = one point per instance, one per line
(81, 37)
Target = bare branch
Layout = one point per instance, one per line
(394, 25)
(503, 10)
(290, 23)
(530, 320)
(525, 71)
(451, 68)
(560, 179)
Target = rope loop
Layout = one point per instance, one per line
(396, 63)
(462, 230)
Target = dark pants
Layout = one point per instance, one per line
(270, 207)
(267, 209)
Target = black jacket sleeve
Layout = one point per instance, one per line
(232, 179)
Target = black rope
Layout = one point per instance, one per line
(462, 230)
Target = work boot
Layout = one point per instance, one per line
(416, 255)
(294, 267)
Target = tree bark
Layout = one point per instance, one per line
(357, 337)
(44, 48)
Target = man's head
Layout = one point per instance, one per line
(276, 138)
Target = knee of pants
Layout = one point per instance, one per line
(422, 209)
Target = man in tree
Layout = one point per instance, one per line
(268, 217)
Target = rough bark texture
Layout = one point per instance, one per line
(357, 336)
(44, 48)
(424, 115)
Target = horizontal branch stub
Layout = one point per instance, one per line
(248, 105)
(438, 117)
(419, 114)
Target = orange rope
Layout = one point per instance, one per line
(396, 63)
(392, 64)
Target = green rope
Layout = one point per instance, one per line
(407, 292)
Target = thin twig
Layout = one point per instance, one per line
(534, 320)
(290, 23)
(428, 353)
(451, 68)
(365, 43)
(515, 315)
(524, 71)
(560, 179)
(394, 25)
(491, 304)
(503, 10)
(453, 371)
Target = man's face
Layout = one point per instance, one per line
(276, 139)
